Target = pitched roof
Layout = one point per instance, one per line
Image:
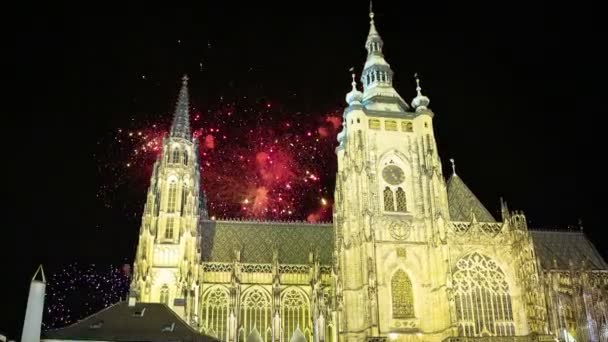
(256, 241)
(565, 247)
(119, 322)
(462, 202)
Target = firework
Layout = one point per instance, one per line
(257, 160)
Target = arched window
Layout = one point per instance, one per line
(401, 202)
(255, 310)
(215, 313)
(185, 157)
(389, 205)
(169, 228)
(164, 295)
(483, 302)
(175, 155)
(172, 196)
(295, 310)
(403, 299)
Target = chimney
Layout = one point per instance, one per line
(35, 306)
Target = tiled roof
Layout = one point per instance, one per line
(256, 240)
(120, 322)
(565, 247)
(462, 202)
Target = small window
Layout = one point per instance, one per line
(426, 125)
(390, 125)
(168, 327)
(139, 313)
(96, 325)
(374, 124)
(407, 126)
(185, 157)
(358, 120)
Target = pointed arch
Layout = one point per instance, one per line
(255, 311)
(169, 228)
(401, 200)
(185, 157)
(482, 299)
(175, 155)
(389, 204)
(295, 310)
(394, 179)
(172, 195)
(402, 296)
(215, 311)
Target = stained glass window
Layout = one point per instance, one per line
(169, 228)
(185, 157)
(255, 311)
(175, 155)
(295, 309)
(214, 312)
(403, 299)
(482, 300)
(172, 195)
(389, 205)
(401, 201)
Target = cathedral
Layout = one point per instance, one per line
(411, 255)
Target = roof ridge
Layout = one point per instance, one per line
(89, 316)
(285, 222)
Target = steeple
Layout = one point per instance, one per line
(377, 75)
(181, 119)
(354, 96)
(420, 102)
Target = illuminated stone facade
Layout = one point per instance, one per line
(409, 256)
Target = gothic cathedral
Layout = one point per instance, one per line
(410, 256)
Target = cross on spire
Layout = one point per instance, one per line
(453, 166)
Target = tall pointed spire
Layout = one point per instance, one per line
(377, 75)
(181, 119)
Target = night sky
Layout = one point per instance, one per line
(515, 89)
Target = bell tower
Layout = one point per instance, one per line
(168, 250)
(391, 212)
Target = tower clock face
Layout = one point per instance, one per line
(393, 175)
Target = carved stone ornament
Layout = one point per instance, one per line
(399, 230)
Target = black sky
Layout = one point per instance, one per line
(517, 89)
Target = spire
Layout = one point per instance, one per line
(420, 102)
(372, 27)
(354, 96)
(377, 75)
(181, 119)
(453, 166)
